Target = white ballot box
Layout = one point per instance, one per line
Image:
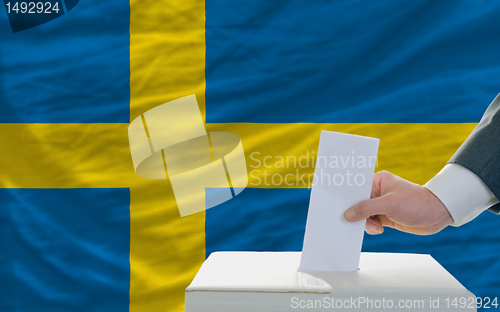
(271, 282)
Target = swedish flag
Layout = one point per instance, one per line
(79, 231)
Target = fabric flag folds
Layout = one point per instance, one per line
(80, 231)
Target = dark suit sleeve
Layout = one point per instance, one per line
(480, 153)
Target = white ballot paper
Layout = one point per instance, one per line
(343, 177)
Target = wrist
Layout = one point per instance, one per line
(462, 192)
(442, 218)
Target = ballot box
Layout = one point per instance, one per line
(271, 282)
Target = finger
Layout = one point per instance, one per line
(373, 226)
(376, 188)
(386, 221)
(379, 178)
(370, 207)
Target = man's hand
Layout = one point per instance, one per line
(400, 204)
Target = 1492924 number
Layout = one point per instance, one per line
(471, 302)
(32, 7)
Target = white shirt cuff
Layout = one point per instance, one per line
(462, 192)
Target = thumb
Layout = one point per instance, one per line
(367, 208)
